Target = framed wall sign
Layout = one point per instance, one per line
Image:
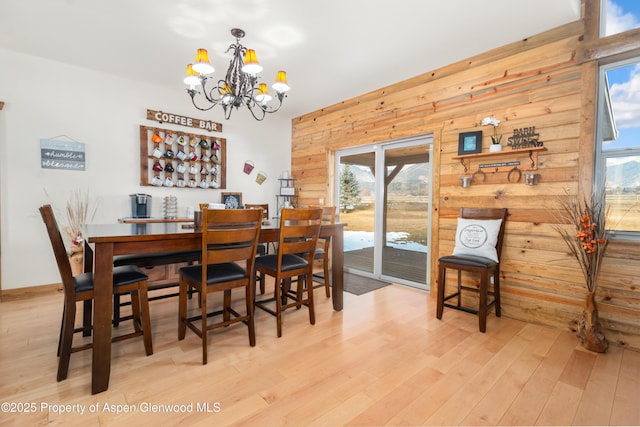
(469, 142)
(232, 200)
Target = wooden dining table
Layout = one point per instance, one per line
(104, 241)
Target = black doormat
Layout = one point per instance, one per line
(355, 284)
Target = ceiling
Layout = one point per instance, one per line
(332, 50)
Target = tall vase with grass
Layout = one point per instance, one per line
(587, 240)
(80, 210)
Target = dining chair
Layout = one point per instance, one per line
(478, 249)
(322, 250)
(126, 280)
(299, 229)
(263, 206)
(229, 239)
(263, 248)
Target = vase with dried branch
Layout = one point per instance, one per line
(587, 241)
(80, 210)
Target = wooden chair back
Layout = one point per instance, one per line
(328, 214)
(299, 229)
(323, 249)
(328, 217)
(230, 235)
(202, 206)
(59, 250)
(263, 206)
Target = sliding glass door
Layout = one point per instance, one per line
(384, 194)
(357, 201)
(405, 223)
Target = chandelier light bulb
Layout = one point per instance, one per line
(202, 64)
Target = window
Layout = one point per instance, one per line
(619, 16)
(618, 148)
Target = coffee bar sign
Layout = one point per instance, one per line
(163, 117)
(57, 154)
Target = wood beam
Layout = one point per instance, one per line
(614, 47)
(591, 18)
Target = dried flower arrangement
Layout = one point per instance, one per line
(587, 241)
(81, 210)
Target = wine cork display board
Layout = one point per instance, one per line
(170, 158)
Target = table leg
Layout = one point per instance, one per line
(103, 300)
(337, 269)
(87, 309)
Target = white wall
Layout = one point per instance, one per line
(46, 99)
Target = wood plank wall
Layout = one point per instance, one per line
(534, 82)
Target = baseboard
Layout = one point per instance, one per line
(29, 292)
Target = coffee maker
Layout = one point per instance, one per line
(140, 205)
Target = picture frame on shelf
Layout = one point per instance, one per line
(469, 142)
(231, 200)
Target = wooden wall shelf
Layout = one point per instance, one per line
(532, 152)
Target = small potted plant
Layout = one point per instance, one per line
(495, 139)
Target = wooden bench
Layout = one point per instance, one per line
(165, 276)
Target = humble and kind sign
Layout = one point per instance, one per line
(57, 154)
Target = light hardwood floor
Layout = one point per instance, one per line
(384, 360)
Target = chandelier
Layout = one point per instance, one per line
(239, 87)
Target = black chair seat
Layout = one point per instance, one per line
(127, 274)
(318, 254)
(216, 273)
(122, 275)
(289, 262)
(469, 261)
(83, 282)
